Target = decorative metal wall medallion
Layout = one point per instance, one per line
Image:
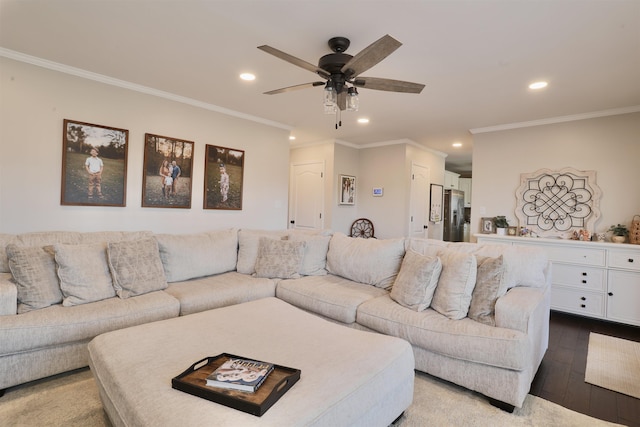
(556, 203)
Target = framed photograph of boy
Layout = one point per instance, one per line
(94, 165)
(487, 226)
(347, 190)
(223, 178)
(167, 171)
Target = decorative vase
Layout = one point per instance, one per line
(501, 231)
(618, 239)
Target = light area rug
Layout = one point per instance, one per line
(614, 364)
(72, 400)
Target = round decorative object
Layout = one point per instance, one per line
(618, 239)
(362, 228)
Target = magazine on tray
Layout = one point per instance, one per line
(240, 374)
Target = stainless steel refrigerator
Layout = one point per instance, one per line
(453, 215)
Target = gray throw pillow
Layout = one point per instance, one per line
(136, 267)
(34, 270)
(84, 273)
(490, 285)
(455, 286)
(417, 280)
(280, 259)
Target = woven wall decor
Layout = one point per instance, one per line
(557, 203)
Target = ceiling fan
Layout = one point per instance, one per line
(342, 72)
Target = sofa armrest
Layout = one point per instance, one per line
(8, 295)
(517, 307)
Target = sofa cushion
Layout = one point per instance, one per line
(84, 273)
(463, 339)
(5, 239)
(490, 285)
(207, 293)
(371, 261)
(112, 236)
(34, 270)
(330, 296)
(57, 325)
(279, 259)
(524, 266)
(188, 256)
(314, 262)
(455, 285)
(416, 281)
(47, 238)
(248, 241)
(136, 267)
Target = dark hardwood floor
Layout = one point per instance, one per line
(560, 378)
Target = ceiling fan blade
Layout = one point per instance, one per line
(296, 87)
(293, 60)
(388, 85)
(371, 55)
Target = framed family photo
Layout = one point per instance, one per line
(94, 165)
(487, 226)
(223, 178)
(435, 208)
(166, 177)
(347, 190)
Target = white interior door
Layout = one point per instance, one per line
(419, 203)
(306, 200)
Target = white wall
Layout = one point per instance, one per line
(33, 105)
(609, 145)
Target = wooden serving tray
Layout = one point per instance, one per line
(194, 379)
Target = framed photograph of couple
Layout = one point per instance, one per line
(167, 171)
(94, 164)
(223, 178)
(347, 190)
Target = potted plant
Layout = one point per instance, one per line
(501, 224)
(620, 233)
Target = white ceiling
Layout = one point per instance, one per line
(475, 57)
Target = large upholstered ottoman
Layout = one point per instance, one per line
(349, 377)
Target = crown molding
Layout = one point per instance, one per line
(559, 119)
(101, 78)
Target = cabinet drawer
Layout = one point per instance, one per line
(576, 255)
(624, 259)
(579, 276)
(576, 301)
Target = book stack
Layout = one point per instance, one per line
(240, 374)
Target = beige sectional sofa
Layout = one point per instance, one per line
(475, 315)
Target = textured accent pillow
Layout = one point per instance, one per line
(314, 262)
(524, 266)
(372, 261)
(490, 285)
(280, 259)
(416, 281)
(34, 270)
(136, 267)
(188, 256)
(84, 273)
(248, 241)
(455, 286)
(5, 239)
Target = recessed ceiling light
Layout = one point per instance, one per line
(291, 137)
(363, 120)
(457, 144)
(538, 85)
(247, 76)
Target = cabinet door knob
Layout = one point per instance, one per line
(610, 294)
(582, 305)
(584, 281)
(584, 273)
(630, 259)
(583, 298)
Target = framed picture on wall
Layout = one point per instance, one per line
(487, 226)
(223, 178)
(166, 176)
(347, 190)
(435, 208)
(94, 165)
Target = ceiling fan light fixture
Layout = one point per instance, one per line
(330, 98)
(353, 102)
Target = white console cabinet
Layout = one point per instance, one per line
(592, 279)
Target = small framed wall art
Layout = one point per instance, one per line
(166, 177)
(347, 190)
(512, 231)
(223, 178)
(94, 165)
(487, 226)
(435, 209)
